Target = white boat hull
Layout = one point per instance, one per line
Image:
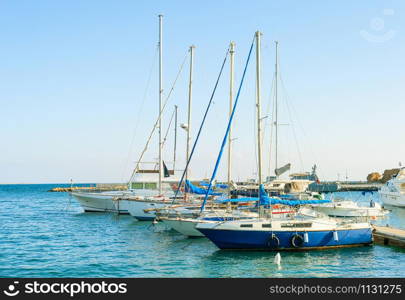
(186, 227)
(349, 212)
(136, 208)
(98, 202)
(392, 199)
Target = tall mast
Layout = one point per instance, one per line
(190, 96)
(160, 102)
(231, 80)
(276, 105)
(258, 107)
(175, 138)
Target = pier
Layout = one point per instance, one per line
(97, 188)
(389, 236)
(344, 186)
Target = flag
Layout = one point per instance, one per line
(165, 170)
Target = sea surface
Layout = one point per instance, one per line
(44, 234)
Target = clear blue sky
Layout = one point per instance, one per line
(73, 76)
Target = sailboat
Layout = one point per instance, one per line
(284, 231)
(298, 182)
(299, 232)
(143, 182)
(143, 207)
(185, 220)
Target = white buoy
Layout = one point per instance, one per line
(335, 235)
(277, 259)
(306, 239)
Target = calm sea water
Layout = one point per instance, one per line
(46, 234)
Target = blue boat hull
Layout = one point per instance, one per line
(264, 240)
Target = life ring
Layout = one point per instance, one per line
(297, 240)
(274, 241)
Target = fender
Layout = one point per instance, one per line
(297, 240)
(273, 241)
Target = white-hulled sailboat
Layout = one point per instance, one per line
(143, 182)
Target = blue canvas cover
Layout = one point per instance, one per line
(191, 188)
(266, 200)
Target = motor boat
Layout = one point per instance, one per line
(393, 192)
(348, 208)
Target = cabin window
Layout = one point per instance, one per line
(150, 186)
(296, 225)
(137, 185)
(266, 225)
(246, 225)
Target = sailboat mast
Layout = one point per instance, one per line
(175, 138)
(276, 105)
(258, 107)
(231, 81)
(160, 102)
(190, 96)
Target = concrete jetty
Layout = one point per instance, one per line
(98, 188)
(389, 236)
(344, 186)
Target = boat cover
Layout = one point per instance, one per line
(191, 188)
(218, 186)
(266, 200)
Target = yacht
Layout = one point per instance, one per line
(348, 208)
(393, 192)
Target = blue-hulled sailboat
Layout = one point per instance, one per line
(291, 231)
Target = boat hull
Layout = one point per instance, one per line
(136, 208)
(262, 240)
(392, 199)
(348, 212)
(97, 202)
(186, 227)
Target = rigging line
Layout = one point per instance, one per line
(256, 165)
(201, 126)
(227, 130)
(298, 121)
(294, 134)
(273, 96)
(168, 128)
(266, 123)
(140, 110)
(269, 121)
(159, 117)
